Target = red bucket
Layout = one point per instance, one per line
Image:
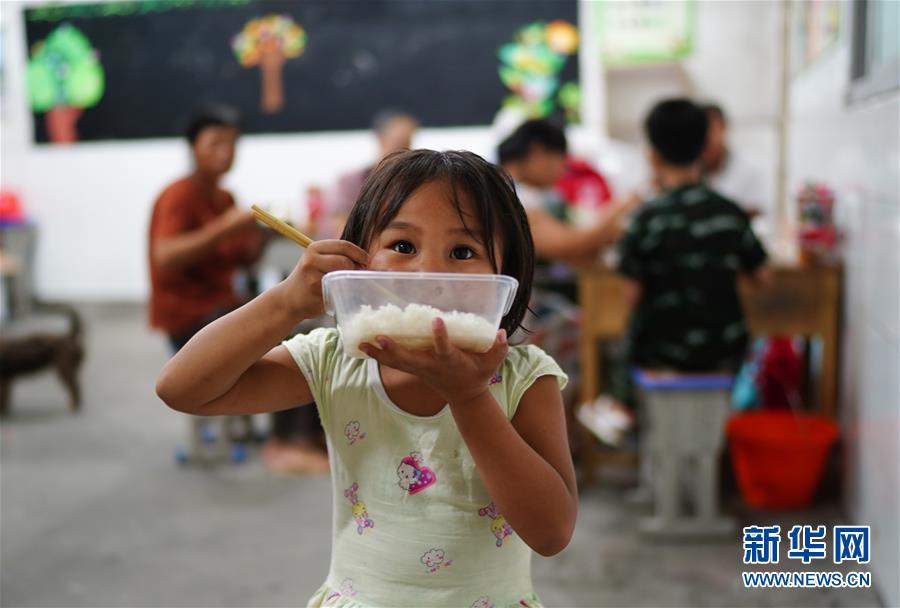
(779, 456)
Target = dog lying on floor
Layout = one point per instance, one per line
(21, 356)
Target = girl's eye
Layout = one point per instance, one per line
(462, 253)
(403, 247)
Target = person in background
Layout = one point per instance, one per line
(394, 131)
(199, 239)
(726, 171)
(535, 156)
(681, 256)
(585, 191)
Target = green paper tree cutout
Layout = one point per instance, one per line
(530, 67)
(63, 77)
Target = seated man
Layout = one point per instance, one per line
(681, 256)
(727, 172)
(198, 240)
(535, 155)
(394, 131)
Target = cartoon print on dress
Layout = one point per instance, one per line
(483, 602)
(414, 475)
(499, 526)
(346, 590)
(434, 560)
(351, 432)
(495, 379)
(360, 514)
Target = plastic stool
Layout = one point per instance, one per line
(212, 441)
(682, 447)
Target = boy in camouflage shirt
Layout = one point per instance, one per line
(681, 256)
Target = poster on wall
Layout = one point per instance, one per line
(138, 69)
(645, 31)
(816, 25)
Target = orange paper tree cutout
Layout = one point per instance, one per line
(268, 42)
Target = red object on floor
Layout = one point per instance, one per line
(778, 457)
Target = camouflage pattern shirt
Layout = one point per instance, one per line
(686, 248)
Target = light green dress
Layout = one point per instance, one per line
(413, 522)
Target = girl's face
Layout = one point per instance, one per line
(427, 235)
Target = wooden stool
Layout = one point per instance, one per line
(682, 444)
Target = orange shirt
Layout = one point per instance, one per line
(181, 298)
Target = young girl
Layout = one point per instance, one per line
(448, 467)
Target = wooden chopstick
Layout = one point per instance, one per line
(280, 227)
(298, 237)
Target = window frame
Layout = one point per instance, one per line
(866, 83)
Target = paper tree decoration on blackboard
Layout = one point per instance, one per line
(64, 76)
(530, 68)
(268, 42)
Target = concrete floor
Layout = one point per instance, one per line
(94, 512)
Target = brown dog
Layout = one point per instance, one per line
(21, 356)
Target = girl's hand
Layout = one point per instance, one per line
(456, 375)
(302, 290)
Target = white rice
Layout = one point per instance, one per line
(411, 327)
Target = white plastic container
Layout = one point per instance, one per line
(402, 305)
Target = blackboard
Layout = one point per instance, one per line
(437, 59)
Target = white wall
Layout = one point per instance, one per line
(855, 149)
(736, 63)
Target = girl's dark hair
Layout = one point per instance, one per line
(497, 207)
